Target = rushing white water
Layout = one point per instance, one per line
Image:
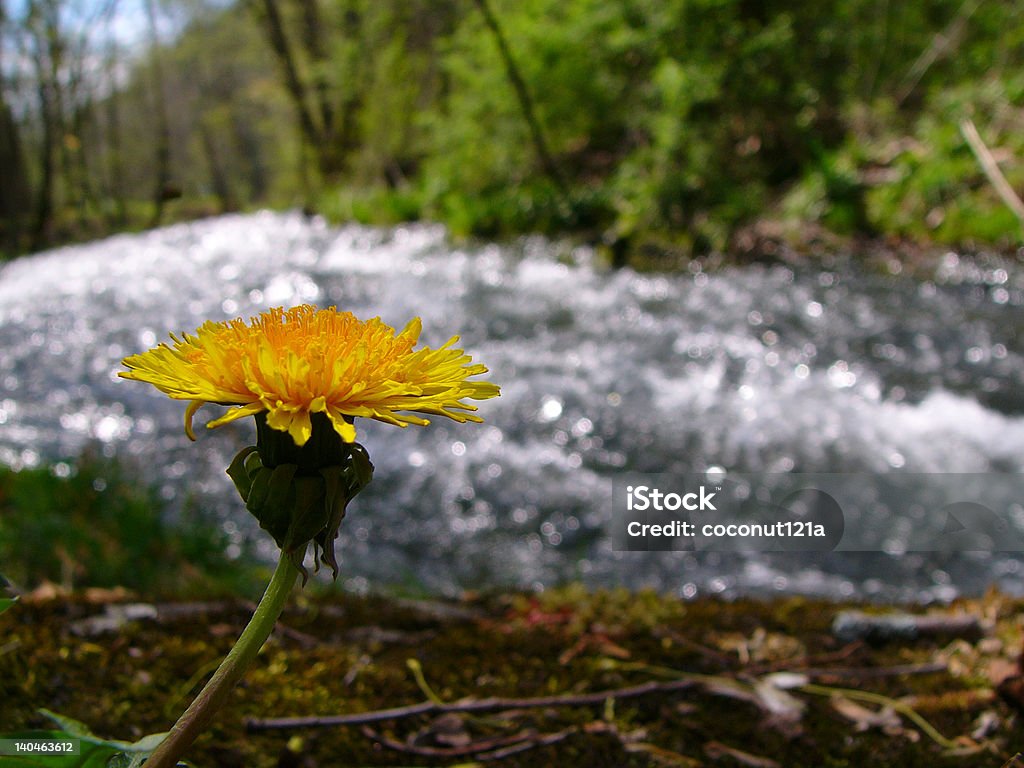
(751, 369)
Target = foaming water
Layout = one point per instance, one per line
(756, 369)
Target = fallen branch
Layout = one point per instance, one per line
(850, 626)
(539, 741)
(485, 749)
(470, 705)
(991, 169)
(472, 748)
(716, 750)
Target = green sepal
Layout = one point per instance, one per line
(270, 500)
(253, 464)
(362, 467)
(258, 492)
(280, 492)
(335, 501)
(239, 474)
(308, 512)
(299, 504)
(302, 496)
(307, 520)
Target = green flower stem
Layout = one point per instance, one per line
(201, 712)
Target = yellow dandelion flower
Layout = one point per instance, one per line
(295, 363)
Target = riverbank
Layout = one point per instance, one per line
(680, 683)
(809, 245)
(767, 240)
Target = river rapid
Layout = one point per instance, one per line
(762, 368)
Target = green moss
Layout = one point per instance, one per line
(94, 525)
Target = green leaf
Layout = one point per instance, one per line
(148, 743)
(68, 726)
(95, 752)
(7, 602)
(90, 754)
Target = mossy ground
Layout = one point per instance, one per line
(347, 654)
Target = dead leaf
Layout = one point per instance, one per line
(600, 642)
(776, 701)
(990, 645)
(761, 646)
(448, 730)
(103, 595)
(1000, 669)
(988, 722)
(787, 680)
(784, 711)
(44, 593)
(864, 718)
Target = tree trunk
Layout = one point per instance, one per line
(526, 105)
(274, 26)
(330, 130)
(115, 157)
(15, 193)
(42, 223)
(15, 202)
(218, 178)
(248, 145)
(314, 41)
(65, 140)
(86, 197)
(162, 191)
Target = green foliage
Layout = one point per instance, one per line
(93, 751)
(937, 189)
(641, 123)
(689, 119)
(371, 205)
(95, 526)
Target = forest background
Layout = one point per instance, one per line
(644, 126)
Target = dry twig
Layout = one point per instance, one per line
(469, 705)
(484, 749)
(991, 169)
